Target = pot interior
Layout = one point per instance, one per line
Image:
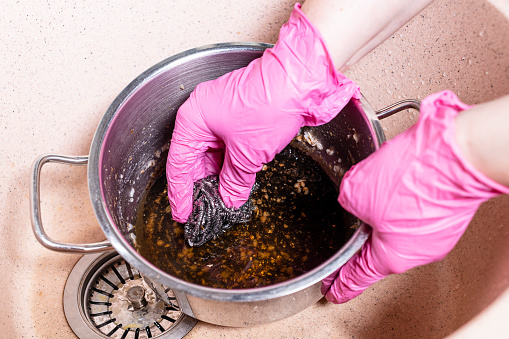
(140, 122)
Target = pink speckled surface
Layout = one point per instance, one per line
(63, 63)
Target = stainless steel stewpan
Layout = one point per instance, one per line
(130, 146)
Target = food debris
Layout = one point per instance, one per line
(293, 230)
(312, 140)
(356, 136)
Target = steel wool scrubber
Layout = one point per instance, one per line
(210, 216)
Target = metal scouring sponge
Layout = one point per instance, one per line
(210, 216)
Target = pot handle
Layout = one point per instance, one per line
(35, 208)
(398, 107)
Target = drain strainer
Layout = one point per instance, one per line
(105, 297)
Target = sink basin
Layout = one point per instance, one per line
(81, 62)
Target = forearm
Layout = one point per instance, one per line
(352, 28)
(482, 133)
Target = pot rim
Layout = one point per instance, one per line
(151, 271)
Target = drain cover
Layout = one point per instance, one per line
(105, 297)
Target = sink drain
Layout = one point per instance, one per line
(105, 297)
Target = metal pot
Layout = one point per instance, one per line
(129, 148)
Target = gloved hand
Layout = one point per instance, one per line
(418, 194)
(252, 113)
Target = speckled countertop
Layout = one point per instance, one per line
(63, 62)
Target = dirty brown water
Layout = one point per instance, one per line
(297, 225)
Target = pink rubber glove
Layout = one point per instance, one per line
(252, 113)
(418, 194)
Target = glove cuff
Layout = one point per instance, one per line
(302, 52)
(485, 186)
